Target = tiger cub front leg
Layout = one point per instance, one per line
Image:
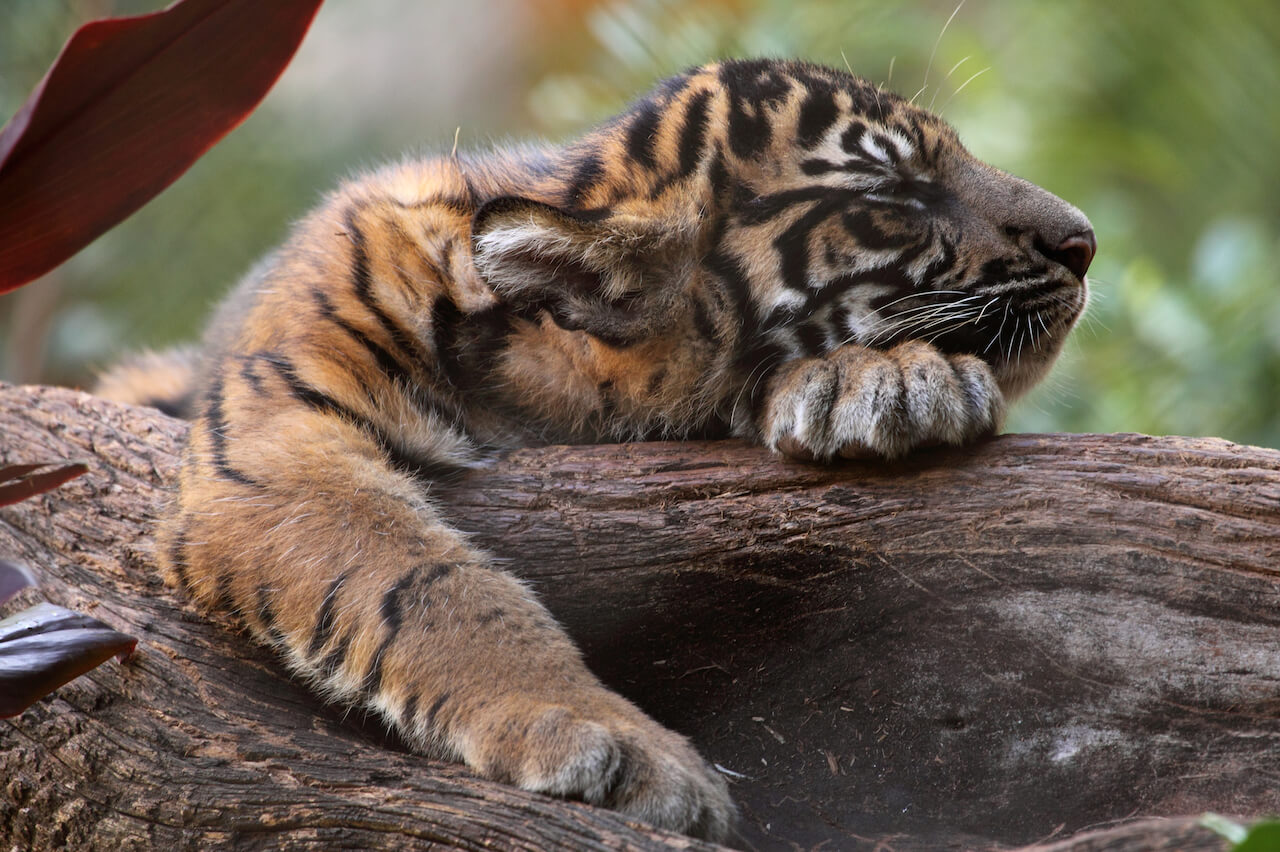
(293, 518)
(856, 401)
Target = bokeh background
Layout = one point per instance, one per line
(1159, 118)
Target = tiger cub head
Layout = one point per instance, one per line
(786, 209)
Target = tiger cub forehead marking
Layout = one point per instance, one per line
(874, 145)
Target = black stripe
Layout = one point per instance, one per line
(179, 406)
(333, 661)
(467, 345)
(730, 270)
(388, 363)
(812, 336)
(322, 402)
(757, 81)
(217, 425)
(453, 203)
(436, 706)
(862, 226)
(718, 175)
(754, 87)
(642, 134)
(373, 678)
(893, 276)
(996, 271)
(251, 377)
(748, 134)
(815, 166)
(839, 322)
(851, 139)
(437, 573)
(702, 320)
(410, 710)
(916, 132)
(324, 621)
(391, 610)
(226, 597)
(872, 101)
(940, 265)
(495, 614)
(693, 134)
(885, 144)
(766, 207)
(392, 613)
(817, 113)
(309, 395)
(587, 174)
(397, 372)
(363, 284)
(446, 324)
(593, 214)
(267, 616)
(792, 244)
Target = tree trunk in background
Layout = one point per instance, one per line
(1041, 638)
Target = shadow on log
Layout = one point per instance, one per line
(1043, 640)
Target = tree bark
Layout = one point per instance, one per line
(1045, 639)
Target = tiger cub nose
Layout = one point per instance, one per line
(1076, 252)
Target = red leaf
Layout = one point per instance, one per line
(17, 471)
(127, 107)
(43, 647)
(26, 484)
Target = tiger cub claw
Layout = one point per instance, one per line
(857, 402)
(617, 758)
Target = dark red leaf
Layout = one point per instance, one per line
(25, 484)
(43, 647)
(13, 579)
(127, 107)
(17, 471)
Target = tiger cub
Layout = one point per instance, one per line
(765, 249)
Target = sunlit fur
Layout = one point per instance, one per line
(764, 249)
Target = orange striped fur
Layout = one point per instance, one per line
(765, 249)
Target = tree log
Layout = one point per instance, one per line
(1045, 639)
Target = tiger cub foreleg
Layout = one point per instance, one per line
(857, 401)
(292, 517)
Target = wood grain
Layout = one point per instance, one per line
(1046, 639)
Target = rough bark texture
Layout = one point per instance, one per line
(1019, 643)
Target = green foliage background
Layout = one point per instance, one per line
(1159, 118)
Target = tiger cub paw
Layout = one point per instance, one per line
(604, 752)
(858, 402)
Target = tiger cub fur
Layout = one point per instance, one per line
(765, 249)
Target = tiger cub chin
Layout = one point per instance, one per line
(766, 249)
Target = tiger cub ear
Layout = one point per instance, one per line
(616, 276)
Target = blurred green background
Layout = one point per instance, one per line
(1159, 118)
